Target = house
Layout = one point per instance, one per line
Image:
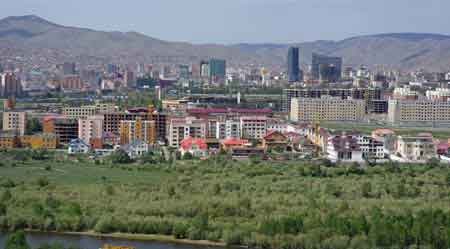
(371, 148)
(231, 142)
(78, 146)
(196, 146)
(387, 137)
(418, 148)
(136, 148)
(275, 140)
(344, 148)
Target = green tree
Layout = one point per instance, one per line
(33, 126)
(16, 240)
(120, 157)
(188, 156)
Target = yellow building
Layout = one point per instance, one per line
(9, 140)
(143, 130)
(327, 109)
(39, 141)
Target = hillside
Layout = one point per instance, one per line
(32, 34)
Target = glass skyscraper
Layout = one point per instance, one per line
(217, 69)
(293, 65)
(326, 67)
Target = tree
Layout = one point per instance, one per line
(16, 240)
(120, 157)
(188, 156)
(33, 126)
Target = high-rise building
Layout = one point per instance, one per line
(90, 129)
(129, 79)
(64, 128)
(71, 82)
(293, 65)
(183, 72)
(204, 69)
(217, 70)
(326, 67)
(10, 85)
(15, 122)
(181, 128)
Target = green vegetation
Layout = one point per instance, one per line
(16, 240)
(299, 204)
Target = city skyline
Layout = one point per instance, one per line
(252, 22)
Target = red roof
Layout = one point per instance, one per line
(52, 117)
(234, 141)
(187, 143)
(228, 110)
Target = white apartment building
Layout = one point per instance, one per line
(253, 127)
(419, 112)
(327, 109)
(405, 93)
(228, 129)
(90, 128)
(439, 94)
(344, 148)
(181, 128)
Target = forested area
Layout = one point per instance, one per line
(300, 204)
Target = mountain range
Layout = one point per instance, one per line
(31, 35)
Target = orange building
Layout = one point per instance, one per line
(39, 141)
(143, 130)
(9, 140)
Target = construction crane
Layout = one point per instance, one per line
(316, 139)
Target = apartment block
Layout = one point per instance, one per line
(133, 130)
(64, 128)
(112, 122)
(90, 129)
(228, 129)
(15, 121)
(419, 112)
(327, 109)
(88, 110)
(367, 94)
(253, 127)
(180, 128)
(10, 85)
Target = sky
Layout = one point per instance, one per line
(243, 21)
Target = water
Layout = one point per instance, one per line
(88, 242)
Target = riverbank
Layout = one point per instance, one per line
(139, 237)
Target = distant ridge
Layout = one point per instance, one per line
(33, 34)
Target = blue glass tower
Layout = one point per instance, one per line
(293, 65)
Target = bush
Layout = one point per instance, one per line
(233, 237)
(43, 182)
(16, 240)
(120, 157)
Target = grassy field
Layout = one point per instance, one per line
(260, 204)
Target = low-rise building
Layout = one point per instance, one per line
(40, 141)
(197, 147)
(275, 140)
(78, 146)
(344, 148)
(9, 140)
(136, 149)
(229, 128)
(371, 148)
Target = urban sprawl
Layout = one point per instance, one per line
(322, 109)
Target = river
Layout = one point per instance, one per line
(87, 242)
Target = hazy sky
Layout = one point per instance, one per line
(233, 21)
